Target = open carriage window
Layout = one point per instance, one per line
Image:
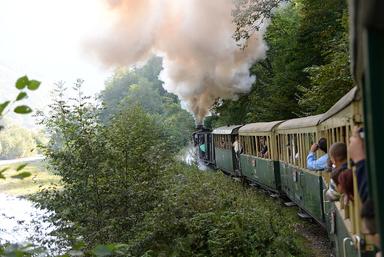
(253, 145)
(289, 147)
(263, 146)
(295, 150)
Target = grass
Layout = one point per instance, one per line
(41, 178)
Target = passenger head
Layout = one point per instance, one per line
(322, 144)
(338, 154)
(345, 181)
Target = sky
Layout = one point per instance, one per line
(63, 40)
(46, 39)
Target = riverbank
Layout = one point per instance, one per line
(40, 178)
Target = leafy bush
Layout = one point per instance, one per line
(109, 171)
(207, 214)
(16, 141)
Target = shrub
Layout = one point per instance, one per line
(207, 214)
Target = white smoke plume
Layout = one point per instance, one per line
(201, 60)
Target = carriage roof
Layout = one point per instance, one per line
(226, 130)
(305, 122)
(341, 104)
(259, 127)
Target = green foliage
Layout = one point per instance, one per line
(307, 65)
(3, 106)
(331, 80)
(17, 142)
(24, 82)
(21, 96)
(22, 175)
(15, 250)
(141, 87)
(207, 214)
(106, 168)
(33, 84)
(21, 84)
(22, 166)
(2, 171)
(249, 16)
(144, 80)
(22, 109)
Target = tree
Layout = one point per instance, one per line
(141, 87)
(331, 80)
(17, 142)
(307, 65)
(250, 16)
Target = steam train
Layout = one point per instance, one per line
(283, 170)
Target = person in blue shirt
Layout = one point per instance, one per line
(322, 162)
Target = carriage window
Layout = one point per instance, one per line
(249, 145)
(289, 148)
(296, 149)
(269, 152)
(249, 148)
(283, 147)
(277, 145)
(280, 146)
(253, 141)
(229, 142)
(262, 144)
(245, 145)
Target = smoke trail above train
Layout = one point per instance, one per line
(201, 60)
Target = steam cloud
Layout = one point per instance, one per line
(200, 58)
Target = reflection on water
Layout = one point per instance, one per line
(21, 221)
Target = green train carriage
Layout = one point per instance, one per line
(367, 38)
(343, 219)
(223, 139)
(302, 186)
(255, 167)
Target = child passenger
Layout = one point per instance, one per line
(338, 157)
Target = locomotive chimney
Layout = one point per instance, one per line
(199, 126)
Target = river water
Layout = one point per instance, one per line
(22, 222)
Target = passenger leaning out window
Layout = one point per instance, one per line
(318, 164)
(338, 156)
(263, 153)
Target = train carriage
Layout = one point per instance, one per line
(259, 158)
(203, 142)
(223, 139)
(302, 186)
(336, 125)
(367, 36)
